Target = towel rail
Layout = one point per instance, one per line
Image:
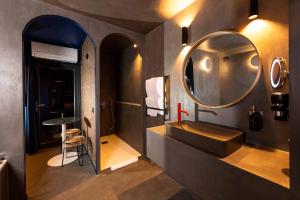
(129, 103)
(166, 99)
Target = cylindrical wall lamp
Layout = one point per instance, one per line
(253, 9)
(185, 35)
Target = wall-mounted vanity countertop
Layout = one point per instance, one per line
(248, 165)
(271, 164)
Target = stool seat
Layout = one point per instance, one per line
(74, 141)
(72, 132)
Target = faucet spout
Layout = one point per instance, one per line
(179, 111)
(185, 112)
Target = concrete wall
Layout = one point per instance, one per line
(129, 117)
(87, 96)
(153, 66)
(11, 104)
(269, 33)
(294, 96)
(108, 67)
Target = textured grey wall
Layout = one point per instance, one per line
(154, 65)
(108, 67)
(269, 34)
(87, 96)
(11, 98)
(129, 76)
(129, 118)
(295, 96)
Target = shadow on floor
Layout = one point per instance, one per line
(141, 180)
(183, 195)
(160, 187)
(45, 182)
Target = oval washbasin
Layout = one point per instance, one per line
(210, 138)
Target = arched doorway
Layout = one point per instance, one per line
(59, 81)
(121, 101)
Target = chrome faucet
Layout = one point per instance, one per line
(179, 111)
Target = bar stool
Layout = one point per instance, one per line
(72, 132)
(77, 141)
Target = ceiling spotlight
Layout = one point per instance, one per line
(135, 45)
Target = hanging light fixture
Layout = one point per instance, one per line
(253, 9)
(185, 35)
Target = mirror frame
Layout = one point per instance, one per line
(283, 72)
(211, 35)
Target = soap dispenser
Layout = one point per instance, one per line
(280, 106)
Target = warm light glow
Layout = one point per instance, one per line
(186, 17)
(137, 65)
(135, 45)
(186, 21)
(255, 27)
(169, 8)
(206, 64)
(253, 17)
(259, 32)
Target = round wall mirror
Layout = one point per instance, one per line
(278, 72)
(221, 69)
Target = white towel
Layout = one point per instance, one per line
(155, 95)
(155, 103)
(159, 85)
(151, 103)
(155, 87)
(149, 88)
(152, 113)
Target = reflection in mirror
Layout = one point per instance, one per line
(189, 75)
(221, 69)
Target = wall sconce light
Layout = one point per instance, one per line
(185, 35)
(253, 9)
(135, 45)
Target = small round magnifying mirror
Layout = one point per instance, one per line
(278, 72)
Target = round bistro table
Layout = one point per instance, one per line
(69, 157)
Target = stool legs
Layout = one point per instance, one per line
(80, 154)
(63, 157)
(80, 157)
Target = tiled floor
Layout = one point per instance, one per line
(138, 181)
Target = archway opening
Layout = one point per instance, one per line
(59, 94)
(121, 100)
